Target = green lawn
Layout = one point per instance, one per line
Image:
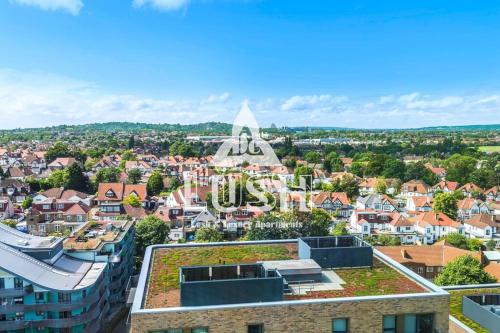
(456, 306)
(490, 149)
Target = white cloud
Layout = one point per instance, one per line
(34, 99)
(164, 5)
(221, 98)
(70, 6)
(323, 102)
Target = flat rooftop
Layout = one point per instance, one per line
(456, 305)
(94, 233)
(162, 285)
(21, 240)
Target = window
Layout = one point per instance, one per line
(340, 325)
(2, 283)
(389, 324)
(256, 328)
(110, 194)
(64, 298)
(18, 283)
(430, 269)
(46, 207)
(60, 206)
(199, 330)
(420, 270)
(39, 298)
(408, 323)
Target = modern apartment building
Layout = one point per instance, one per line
(325, 284)
(44, 290)
(110, 242)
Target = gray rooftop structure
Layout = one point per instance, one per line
(65, 274)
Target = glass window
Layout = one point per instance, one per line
(18, 283)
(199, 330)
(389, 324)
(256, 328)
(340, 325)
(2, 283)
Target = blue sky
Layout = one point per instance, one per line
(336, 63)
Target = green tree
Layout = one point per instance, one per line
(75, 179)
(128, 155)
(459, 168)
(134, 176)
(475, 244)
(485, 177)
(57, 178)
(340, 229)
(132, 200)
(312, 157)
(207, 234)
(491, 245)
(131, 142)
(457, 240)
(149, 231)
(59, 149)
(419, 171)
(394, 168)
(306, 173)
(347, 184)
(107, 175)
(381, 186)
(463, 270)
(333, 163)
(155, 184)
(446, 203)
(27, 203)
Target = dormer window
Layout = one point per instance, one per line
(134, 193)
(110, 194)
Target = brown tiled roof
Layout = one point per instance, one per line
(436, 219)
(117, 188)
(483, 220)
(452, 186)
(137, 212)
(319, 198)
(430, 255)
(470, 187)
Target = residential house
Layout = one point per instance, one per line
(15, 189)
(56, 215)
(415, 188)
(371, 222)
(65, 195)
(6, 208)
(333, 202)
(469, 207)
(61, 163)
(379, 202)
(203, 176)
(482, 226)
(415, 205)
(426, 260)
(346, 162)
(431, 226)
(469, 189)
(440, 172)
(189, 196)
(445, 186)
(144, 167)
(285, 174)
(111, 195)
(369, 186)
(493, 194)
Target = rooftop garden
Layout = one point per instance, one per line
(91, 235)
(163, 289)
(379, 280)
(456, 306)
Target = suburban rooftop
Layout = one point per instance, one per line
(163, 264)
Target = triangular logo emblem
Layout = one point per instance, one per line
(245, 144)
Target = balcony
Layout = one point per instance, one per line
(86, 318)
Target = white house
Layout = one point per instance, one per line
(482, 226)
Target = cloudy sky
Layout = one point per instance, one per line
(364, 64)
